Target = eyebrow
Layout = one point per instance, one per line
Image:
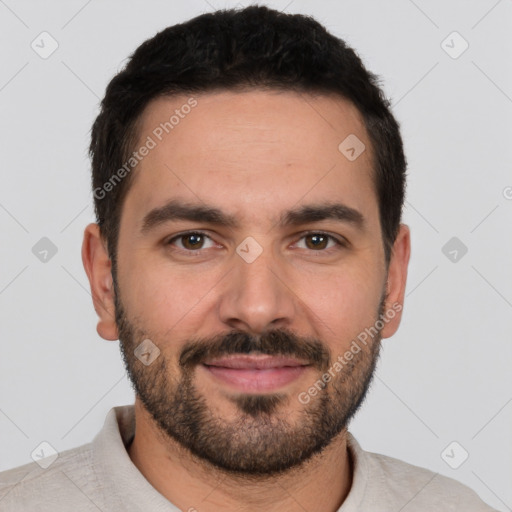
(179, 210)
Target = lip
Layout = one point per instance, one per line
(256, 373)
(255, 362)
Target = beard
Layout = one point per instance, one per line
(261, 441)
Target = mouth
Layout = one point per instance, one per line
(256, 373)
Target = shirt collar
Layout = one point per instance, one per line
(128, 489)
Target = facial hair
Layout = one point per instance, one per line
(260, 442)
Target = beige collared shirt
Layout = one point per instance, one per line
(100, 477)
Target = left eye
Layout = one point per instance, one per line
(319, 241)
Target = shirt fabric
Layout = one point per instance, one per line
(100, 476)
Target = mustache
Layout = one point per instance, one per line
(278, 342)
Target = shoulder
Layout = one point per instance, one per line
(428, 488)
(63, 482)
(414, 488)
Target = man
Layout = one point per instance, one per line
(248, 179)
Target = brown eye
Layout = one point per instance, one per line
(192, 241)
(320, 242)
(317, 241)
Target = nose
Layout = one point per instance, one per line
(257, 296)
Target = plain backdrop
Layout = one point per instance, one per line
(444, 377)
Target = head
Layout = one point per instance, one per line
(248, 178)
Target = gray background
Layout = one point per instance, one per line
(444, 377)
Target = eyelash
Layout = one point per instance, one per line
(340, 243)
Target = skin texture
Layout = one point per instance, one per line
(254, 155)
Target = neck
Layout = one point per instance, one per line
(320, 484)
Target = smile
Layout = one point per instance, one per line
(256, 373)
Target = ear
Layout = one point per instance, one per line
(98, 267)
(397, 277)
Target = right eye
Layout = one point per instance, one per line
(191, 241)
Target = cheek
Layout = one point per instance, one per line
(343, 304)
(166, 297)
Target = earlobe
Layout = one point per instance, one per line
(397, 279)
(98, 268)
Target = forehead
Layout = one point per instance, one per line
(251, 152)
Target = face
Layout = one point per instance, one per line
(250, 254)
